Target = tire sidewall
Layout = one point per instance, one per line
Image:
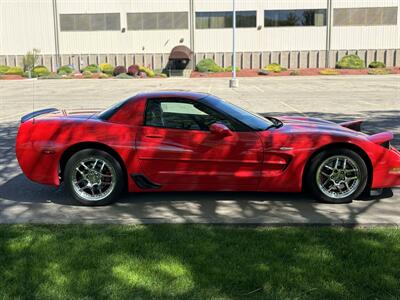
(321, 157)
(69, 169)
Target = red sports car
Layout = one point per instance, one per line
(181, 141)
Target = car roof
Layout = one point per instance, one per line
(172, 94)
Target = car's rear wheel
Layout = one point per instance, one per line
(337, 176)
(94, 177)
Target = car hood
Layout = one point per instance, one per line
(322, 126)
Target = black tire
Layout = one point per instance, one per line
(319, 159)
(112, 193)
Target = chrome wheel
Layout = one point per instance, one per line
(338, 177)
(93, 179)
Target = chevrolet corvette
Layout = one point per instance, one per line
(184, 141)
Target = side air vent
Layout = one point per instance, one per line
(144, 183)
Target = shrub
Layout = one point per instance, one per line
(229, 69)
(329, 72)
(107, 68)
(32, 75)
(274, 67)
(350, 62)
(3, 69)
(91, 68)
(14, 71)
(377, 64)
(208, 65)
(263, 72)
(295, 73)
(62, 73)
(379, 71)
(123, 76)
(133, 70)
(149, 72)
(65, 69)
(119, 70)
(41, 71)
(87, 74)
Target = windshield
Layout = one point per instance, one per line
(252, 120)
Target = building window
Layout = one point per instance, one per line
(246, 19)
(157, 21)
(366, 16)
(224, 19)
(90, 22)
(298, 17)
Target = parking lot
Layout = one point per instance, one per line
(340, 98)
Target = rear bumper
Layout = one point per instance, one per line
(387, 170)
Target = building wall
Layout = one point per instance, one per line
(147, 41)
(263, 39)
(25, 24)
(366, 37)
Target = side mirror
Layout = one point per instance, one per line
(220, 130)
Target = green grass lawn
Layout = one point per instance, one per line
(198, 262)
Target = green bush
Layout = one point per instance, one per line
(65, 70)
(3, 69)
(14, 71)
(106, 68)
(377, 64)
(275, 68)
(32, 75)
(91, 68)
(379, 71)
(229, 69)
(87, 74)
(149, 72)
(208, 65)
(350, 62)
(41, 71)
(123, 76)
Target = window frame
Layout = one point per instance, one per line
(89, 15)
(235, 123)
(289, 10)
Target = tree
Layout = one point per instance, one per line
(30, 59)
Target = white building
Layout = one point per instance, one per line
(296, 32)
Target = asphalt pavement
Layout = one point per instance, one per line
(339, 98)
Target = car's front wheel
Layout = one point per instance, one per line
(337, 176)
(94, 177)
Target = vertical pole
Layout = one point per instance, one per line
(328, 33)
(233, 82)
(191, 26)
(56, 37)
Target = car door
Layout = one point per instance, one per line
(175, 148)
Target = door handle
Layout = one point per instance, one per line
(154, 136)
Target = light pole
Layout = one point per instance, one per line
(233, 82)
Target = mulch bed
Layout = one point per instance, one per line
(301, 72)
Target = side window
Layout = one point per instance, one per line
(183, 114)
